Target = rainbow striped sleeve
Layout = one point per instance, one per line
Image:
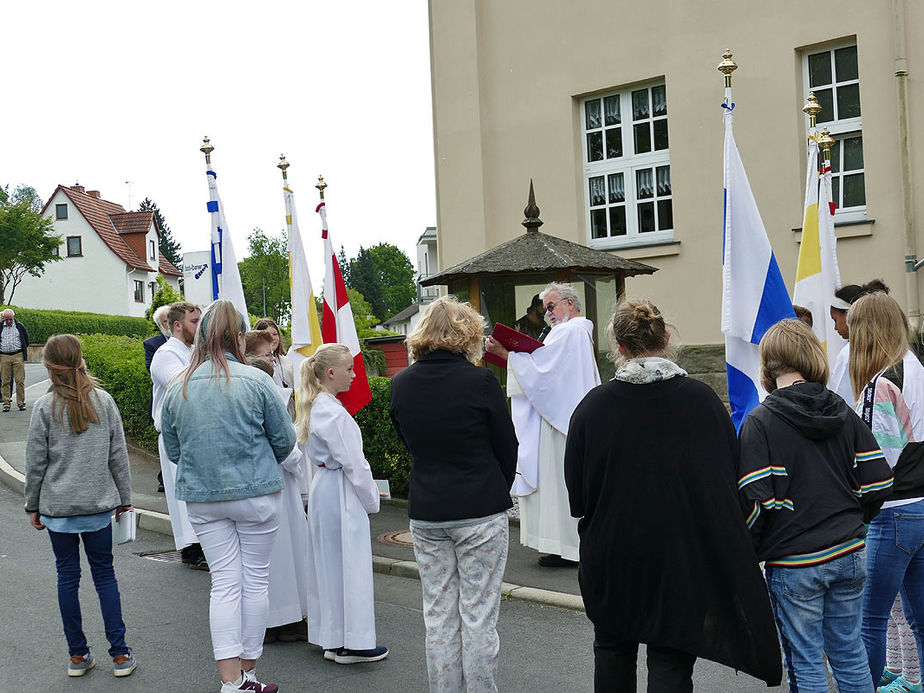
(763, 473)
(874, 486)
(867, 456)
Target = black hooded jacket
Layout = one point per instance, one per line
(809, 475)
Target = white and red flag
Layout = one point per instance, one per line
(337, 322)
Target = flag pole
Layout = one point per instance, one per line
(726, 67)
(207, 149)
(283, 165)
(812, 108)
(320, 186)
(825, 142)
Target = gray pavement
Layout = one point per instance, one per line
(544, 648)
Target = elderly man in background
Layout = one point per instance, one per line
(169, 361)
(14, 350)
(545, 387)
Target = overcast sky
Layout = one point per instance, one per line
(106, 92)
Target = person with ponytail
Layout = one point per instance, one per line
(76, 474)
(227, 428)
(341, 607)
(665, 556)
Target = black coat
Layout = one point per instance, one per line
(151, 345)
(453, 418)
(665, 554)
(23, 337)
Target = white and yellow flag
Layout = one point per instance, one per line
(306, 329)
(817, 275)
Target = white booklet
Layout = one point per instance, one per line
(125, 529)
(384, 489)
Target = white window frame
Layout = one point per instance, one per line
(627, 164)
(840, 129)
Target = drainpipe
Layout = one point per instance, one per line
(901, 78)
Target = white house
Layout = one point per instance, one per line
(111, 258)
(406, 320)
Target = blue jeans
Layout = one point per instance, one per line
(895, 558)
(98, 547)
(817, 611)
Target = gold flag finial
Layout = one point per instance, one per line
(321, 185)
(207, 149)
(811, 108)
(825, 142)
(727, 66)
(283, 164)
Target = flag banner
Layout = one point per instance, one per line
(829, 266)
(754, 296)
(226, 278)
(306, 329)
(817, 277)
(337, 323)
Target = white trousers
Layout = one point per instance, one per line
(237, 539)
(461, 571)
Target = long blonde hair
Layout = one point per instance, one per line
(217, 334)
(309, 382)
(879, 337)
(71, 385)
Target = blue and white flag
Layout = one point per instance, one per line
(754, 296)
(226, 278)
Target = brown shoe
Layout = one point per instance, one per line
(294, 632)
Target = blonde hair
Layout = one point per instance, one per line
(71, 385)
(217, 333)
(449, 325)
(309, 382)
(791, 346)
(638, 327)
(879, 337)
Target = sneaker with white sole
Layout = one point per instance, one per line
(78, 665)
(248, 682)
(330, 655)
(345, 656)
(124, 664)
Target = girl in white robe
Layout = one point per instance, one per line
(341, 607)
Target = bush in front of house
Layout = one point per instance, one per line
(42, 324)
(118, 363)
(385, 451)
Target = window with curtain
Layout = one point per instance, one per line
(627, 178)
(833, 75)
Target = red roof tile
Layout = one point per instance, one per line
(167, 268)
(133, 222)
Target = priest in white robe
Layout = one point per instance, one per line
(170, 360)
(545, 387)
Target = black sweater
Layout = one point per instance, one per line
(810, 472)
(453, 418)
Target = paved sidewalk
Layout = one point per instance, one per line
(526, 580)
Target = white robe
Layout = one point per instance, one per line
(289, 567)
(544, 388)
(341, 607)
(168, 362)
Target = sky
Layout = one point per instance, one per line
(101, 93)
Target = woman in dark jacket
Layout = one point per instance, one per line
(666, 558)
(453, 417)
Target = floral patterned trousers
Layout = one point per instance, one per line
(461, 570)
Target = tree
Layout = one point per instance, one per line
(28, 242)
(362, 314)
(164, 295)
(265, 276)
(385, 277)
(169, 248)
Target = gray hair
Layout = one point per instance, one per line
(160, 319)
(564, 291)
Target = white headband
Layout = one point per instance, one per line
(840, 304)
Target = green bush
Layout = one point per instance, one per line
(42, 324)
(118, 363)
(384, 450)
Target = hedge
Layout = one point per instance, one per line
(118, 362)
(42, 324)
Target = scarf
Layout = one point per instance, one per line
(643, 370)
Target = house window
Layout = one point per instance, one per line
(152, 286)
(833, 76)
(61, 212)
(56, 251)
(74, 246)
(627, 173)
(153, 250)
(139, 291)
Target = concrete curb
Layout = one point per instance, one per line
(159, 522)
(534, 595)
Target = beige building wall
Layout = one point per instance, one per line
(509, 79)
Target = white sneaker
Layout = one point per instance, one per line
(248, 682)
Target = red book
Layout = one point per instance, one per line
(511, 340)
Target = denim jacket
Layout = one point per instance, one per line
(227, 438)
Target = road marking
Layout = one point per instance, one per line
(41, 382)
